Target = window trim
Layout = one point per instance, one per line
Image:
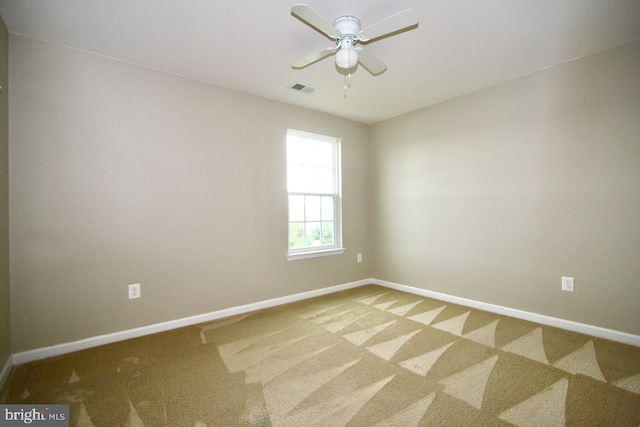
(323, 250)
(314, 254)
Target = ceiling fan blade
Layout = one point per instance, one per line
(371, 63)
(314, 57)
(308, 15)
(400, 21)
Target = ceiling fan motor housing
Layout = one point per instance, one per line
(347, 25)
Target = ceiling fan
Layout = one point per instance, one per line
(346, 32)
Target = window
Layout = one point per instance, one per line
(313, 183)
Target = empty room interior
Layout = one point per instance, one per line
(466, 251)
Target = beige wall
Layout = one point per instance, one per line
(5, 344)
(495, 195)
(122, 174)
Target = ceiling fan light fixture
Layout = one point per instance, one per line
(346, 56)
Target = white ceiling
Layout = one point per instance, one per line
(459, 46)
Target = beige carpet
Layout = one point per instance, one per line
(365, 357)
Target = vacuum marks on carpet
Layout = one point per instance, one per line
(343, 358)
(365, 357)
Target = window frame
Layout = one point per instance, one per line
(336, 195)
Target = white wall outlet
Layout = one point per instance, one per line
(567, 284)
(359, 257)
(134, 291)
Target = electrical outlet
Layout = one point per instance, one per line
(567, 284)
(359, 257)
(134, 291)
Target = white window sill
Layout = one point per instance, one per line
(314, 254)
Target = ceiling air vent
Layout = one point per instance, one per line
(301, 88)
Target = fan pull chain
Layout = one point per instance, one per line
(347, 83)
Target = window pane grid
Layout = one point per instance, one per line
(311, 220)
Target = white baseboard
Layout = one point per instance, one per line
(56, 350)
(4, 373)
(569, 325)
